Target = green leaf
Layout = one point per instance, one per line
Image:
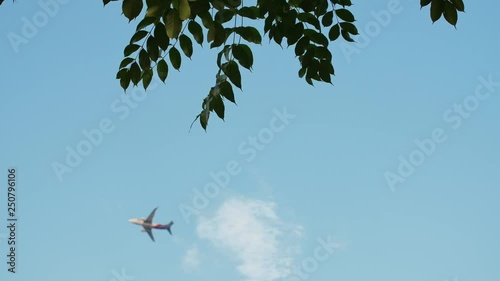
(327, 66)
(139, 35)
(301, 45)
(287, 20)
(437, 9)
(196, 31)
(459, 5)
(249, 12)
(309, 81)
(327, 19)
(268, 23)
(162, 69)
(144, 60)
(161, 36)
(325, 71)
(312, 71)
(450, 13)
(334, 32)
(349, 27)
(184, 9)
(218, 4)
(226, 90)
(125, 62)
(344, 3)
(323, 53)
(173, 24)
(206, 20)
(130, 49)
(121, 73)
(224, 16)
(325, 76)
(156, 8)
(277, 35)
(346, 36)
(135, 73)
(308, 5)
(227, 52)
(175, 58)
(244, 55)
(307, 59)
(309, 18)
(125, 80)
(211, 34)
(175, 3)
(295, 3)
(186, 45)
(232, 3)
(205, 114)
(224, 52)
(233, 73)
(152, 48)
(218, 34)
(345, 15)
(302, 72)
(217, 104)
(145, 22)
(321, 8)
(424, 3)
(316, 37)
(250, 34)
(147, 76)
(295, 33)
(132, 8)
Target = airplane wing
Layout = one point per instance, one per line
(150, 218)
(148, 230)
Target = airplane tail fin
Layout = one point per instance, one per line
(168, 226)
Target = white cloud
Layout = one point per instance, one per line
(191, 261)
(252, 232)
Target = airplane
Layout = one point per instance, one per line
(148, 224)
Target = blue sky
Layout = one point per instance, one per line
(321, 175)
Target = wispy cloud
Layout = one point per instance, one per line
(252, 232)
(191, 261)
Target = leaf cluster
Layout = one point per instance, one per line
(169, 28)
(447, 8)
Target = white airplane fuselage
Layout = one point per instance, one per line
(142, 223)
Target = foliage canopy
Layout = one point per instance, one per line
(167, 30)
